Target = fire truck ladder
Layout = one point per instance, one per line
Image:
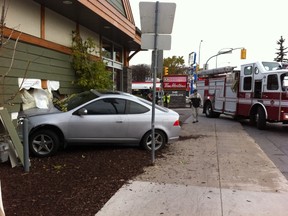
(216, 71)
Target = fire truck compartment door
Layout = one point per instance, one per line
(225, 98)
(219, 94)
(230, 99)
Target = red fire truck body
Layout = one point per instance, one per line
(257, 92)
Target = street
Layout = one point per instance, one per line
(273, 141)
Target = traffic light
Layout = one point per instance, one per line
(243, 53)
(166, 71)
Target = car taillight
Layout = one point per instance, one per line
(176, 123)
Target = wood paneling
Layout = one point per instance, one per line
(30, 61)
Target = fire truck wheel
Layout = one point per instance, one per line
(216, 115)
(252, 119)
(261, 119)
(208, 110)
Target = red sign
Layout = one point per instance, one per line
(176, 82)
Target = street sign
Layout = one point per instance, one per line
(163, 42)
(165, 13)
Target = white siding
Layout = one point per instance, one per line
(86, 33)
(24, 16)
(58, 29)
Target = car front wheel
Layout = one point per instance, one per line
(160, 140)
(44, 143)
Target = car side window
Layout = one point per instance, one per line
(106, 106)
(135, 108)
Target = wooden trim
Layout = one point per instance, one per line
(109, 13)
(36, 41)
(128, 10)
(41, 42)
(42, 33)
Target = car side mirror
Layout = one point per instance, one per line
(82, 111)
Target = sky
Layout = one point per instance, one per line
(256, 25)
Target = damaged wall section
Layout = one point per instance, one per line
(31, 62)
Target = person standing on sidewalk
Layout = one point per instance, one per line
(166, 99)
(196, 101)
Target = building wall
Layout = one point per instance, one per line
(30, 61)
(86, 33)
(24, 16)
(24, 60)
(58, 29)
(37, 45)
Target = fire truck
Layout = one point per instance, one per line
(258, 91)
(143, 88)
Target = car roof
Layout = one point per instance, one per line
(110, 93)
(128, 95)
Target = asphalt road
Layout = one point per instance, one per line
(184, 113)
(273, 141)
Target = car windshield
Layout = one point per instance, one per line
(75, 100)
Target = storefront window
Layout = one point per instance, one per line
(107, 49)
(118, 53)
(112, 51)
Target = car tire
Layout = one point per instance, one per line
(44, 143)
(160, 140)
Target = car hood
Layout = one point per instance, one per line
(36, 111)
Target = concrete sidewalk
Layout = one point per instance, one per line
(217, 170)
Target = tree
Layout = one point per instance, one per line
(281, 51)
(140, 72)
(90, 73)
(175, 65)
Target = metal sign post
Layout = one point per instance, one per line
(156, 22)
(154, 82)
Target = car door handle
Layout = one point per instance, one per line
(119, 121)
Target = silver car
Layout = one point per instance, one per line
(94, 117)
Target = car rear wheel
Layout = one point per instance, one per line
(160, 140)
(44, 143)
